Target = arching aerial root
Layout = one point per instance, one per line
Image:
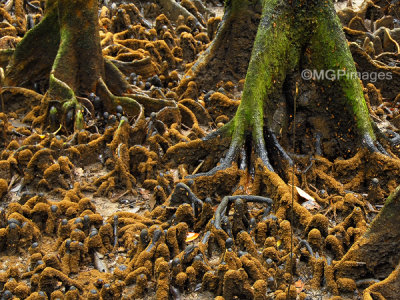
(243, 148)
(388, 288)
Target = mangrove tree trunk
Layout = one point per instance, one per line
(292, 37)
(63, 54)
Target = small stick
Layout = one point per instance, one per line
(98, 263)
(115, 231)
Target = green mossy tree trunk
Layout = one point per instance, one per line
(79, 61)
(66, 43)
(33, 59)
(64, 51)
(290, 37)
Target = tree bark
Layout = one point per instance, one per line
(79, 61)
(376, 254)
(291, 37)
(228, 55)
(69, 34)
(314, 27)
(28, 65)
(74, 64)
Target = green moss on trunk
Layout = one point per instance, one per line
(284, 32)
(33, 58)
(74, 65)
(275, 52)
(330, 51)
(68, 35)
(79, 61)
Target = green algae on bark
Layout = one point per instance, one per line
(73, 64)
(289, 36)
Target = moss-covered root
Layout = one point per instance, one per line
(329, 51)
(50, 276)
(131, 106)
(107, 183)
(376, 252)
(386, 289)
(173, 10)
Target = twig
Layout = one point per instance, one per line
(98, 263)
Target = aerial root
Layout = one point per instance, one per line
(183, 192)
(385, 289)
(121, 172)
(223, 207)
(28, 94)
(278, 154)
(240, 151)
(226, 162)
(372, 146)
(111, 101)
(267, 182)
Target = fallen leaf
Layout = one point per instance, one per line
(175, 175)
(13, 180)
(16, 188)
(79, 172)
(152, 202)
(146, 194)
(310, 205)
(299, 284)
(18, 124)
(303, 194)
(191, 236)
(136, 209)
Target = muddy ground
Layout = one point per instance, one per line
(108, 212)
